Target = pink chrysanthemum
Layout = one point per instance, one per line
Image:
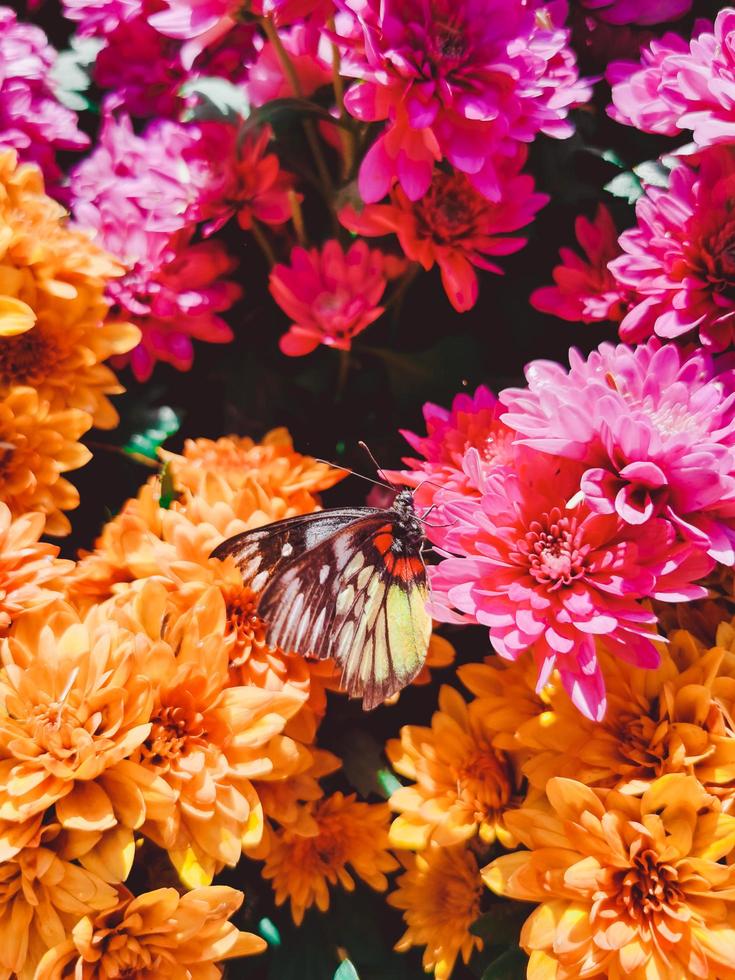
(637, 11)
(310, 54)
(586, 290)
(653, 429)
(331, 295)
(687, 86)
(464, 80)
(678, 261)
(146, 170)
(472, 423)
(32, 120)
(454, 226)
(547, 574)
(639, 89)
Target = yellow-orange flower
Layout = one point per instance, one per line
(630, 887)
(207, 740)
(26, 565)
(42, 896)
(440, 896)
(75, 704)
(273, 461)
(155, 936)
(462, 784)
(53, 314)
(349, 833)
(670, 719)
(37, 445)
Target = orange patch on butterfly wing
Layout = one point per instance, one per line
(406, 569)
(383, 540)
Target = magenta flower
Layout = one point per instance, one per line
(99, 18)
(330, 295)
(454, 226)
(689, 86)
(547, 574)
(462, 446)
(637, 11)
(678, 260)
(461, 80)
(586, 291)
(32, 120)
(653, 430)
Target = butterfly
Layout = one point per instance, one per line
(347, 583)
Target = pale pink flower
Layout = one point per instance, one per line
(639, 90)
(545, 573)
(310, 54)
(330, 295)
(653, 429)
(461, 80)
(586, 291)
(678, 260)
(100, 17)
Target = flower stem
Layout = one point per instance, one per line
(297, 216)
(290, 72)
(265, 246)
(345, 134)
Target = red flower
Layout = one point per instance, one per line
(454, 226)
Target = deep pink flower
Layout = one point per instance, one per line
(465, 80)
(692, 86)
(311, 57)
(586, 291)
(454, 226)
(173, 290)
(637, 11)
(330, 295)
(99, 18)
(654, 431)
(32, 120)
(545, 573)
(679, 259)
(461, 447)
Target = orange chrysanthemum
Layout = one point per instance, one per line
(671, 719)
(349, 832)
(630, 887)
(42, 896)
(37, 445)
(52, 305)
(74, 706)
(155, 936)
(207, 740)
(462, 784)
(26, 565)
(440, 896)
(273, 462)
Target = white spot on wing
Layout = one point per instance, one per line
(355, 564)
(259, 581)
(286, 550)
(323, 573)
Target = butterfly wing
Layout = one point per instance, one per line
(347, 599)
(264, 551)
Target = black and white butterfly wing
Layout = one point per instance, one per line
(348, 597)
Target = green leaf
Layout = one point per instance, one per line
(297, 107)
(160, 423)
(269, 931)
(216, 99)
(70, 72)
(362, 761)
(387, 782)
(346, 971)
(510, 965)
(653, 172)
(169, 493)
(501, 922)
(625, 185)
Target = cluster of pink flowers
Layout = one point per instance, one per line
(32, 120)
(564, 505)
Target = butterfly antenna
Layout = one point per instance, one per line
(378, 467)
(346, 469)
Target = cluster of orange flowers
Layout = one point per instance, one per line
(622, 831)
(56, 334)
(141, 712)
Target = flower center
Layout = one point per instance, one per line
(28, 358)
(553, 549)
(672, 419)
(244, 622)
(649, 886)
(175, 732)
(483, 783)
(495, 449)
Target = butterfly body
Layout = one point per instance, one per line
(347, 583)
